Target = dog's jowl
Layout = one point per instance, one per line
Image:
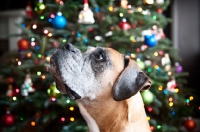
(106, 86)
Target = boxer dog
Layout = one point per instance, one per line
(106, 86)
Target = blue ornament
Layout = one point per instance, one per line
(59, 21)
(150, 40)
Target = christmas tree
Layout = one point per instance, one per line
(30, 100)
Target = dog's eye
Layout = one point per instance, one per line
(98, 56)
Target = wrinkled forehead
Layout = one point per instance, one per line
(114, 56)
(111, 52)
(117, 59)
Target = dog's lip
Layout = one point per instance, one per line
(72, 94)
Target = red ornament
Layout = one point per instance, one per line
(9, 80)
(140, 22)
(124, 25)
(190, 124)
(159, 10)
(8, 120)
(23, 44)
(29, 10)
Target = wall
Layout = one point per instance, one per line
(8, 27)
(186, 37)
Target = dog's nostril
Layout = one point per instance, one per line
(147, 85)
(69, 47)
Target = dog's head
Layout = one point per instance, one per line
(98, 72)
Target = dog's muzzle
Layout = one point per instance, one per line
(56, 73)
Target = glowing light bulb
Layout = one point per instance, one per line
(171, 104)
(152, 128)
(29, 55)
(140, 9)
(39, 55)
(32, 43)
(53, 99)
(72, 119)
(169, 73)
(17, 90)
(32, 123)
(19, 63)
(191, 98)
(64, 40)
(110, 8)
(148, 118)
(170, 99)
(71, 108)
(61, 2)
(50, 34)
(46, 31)
(43, 77)
(176, 90)
(150, 109)
(133, 56)
(121, 14)
(34, 26)
(48, 59)
(158, 126)
(14, 98)
(42, 17)
(39, 73)
(52, 15)
(155, 53)
(62, 119)
(32, 39)
(156, 66)
(160, 88)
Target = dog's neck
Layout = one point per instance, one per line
(107, 115)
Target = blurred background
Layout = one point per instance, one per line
(184, 31)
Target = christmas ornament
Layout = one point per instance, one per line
(171, 85)
(59, 21)
(86, 15)
(8, 119)
(159, 1)
(179, 68)
(140, 64)
(150, 40)
(124, 4)
(165, 61)
(158, 32)
(190, 124)
(23, 44)
(147, 96)
(9, 80)
(40, 7)
(53, 91)
(26, 87)
(29, 10)
(147, 62)
(148, 2)
(147, 32)
(124, 25)
(10, 92)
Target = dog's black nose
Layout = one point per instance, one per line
(69, 47)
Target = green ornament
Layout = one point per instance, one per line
(140, 64)
(53, 91)
(147, 96)
(39, 7)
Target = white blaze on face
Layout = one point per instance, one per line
(79, 75)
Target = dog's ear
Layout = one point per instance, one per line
(130, 81)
